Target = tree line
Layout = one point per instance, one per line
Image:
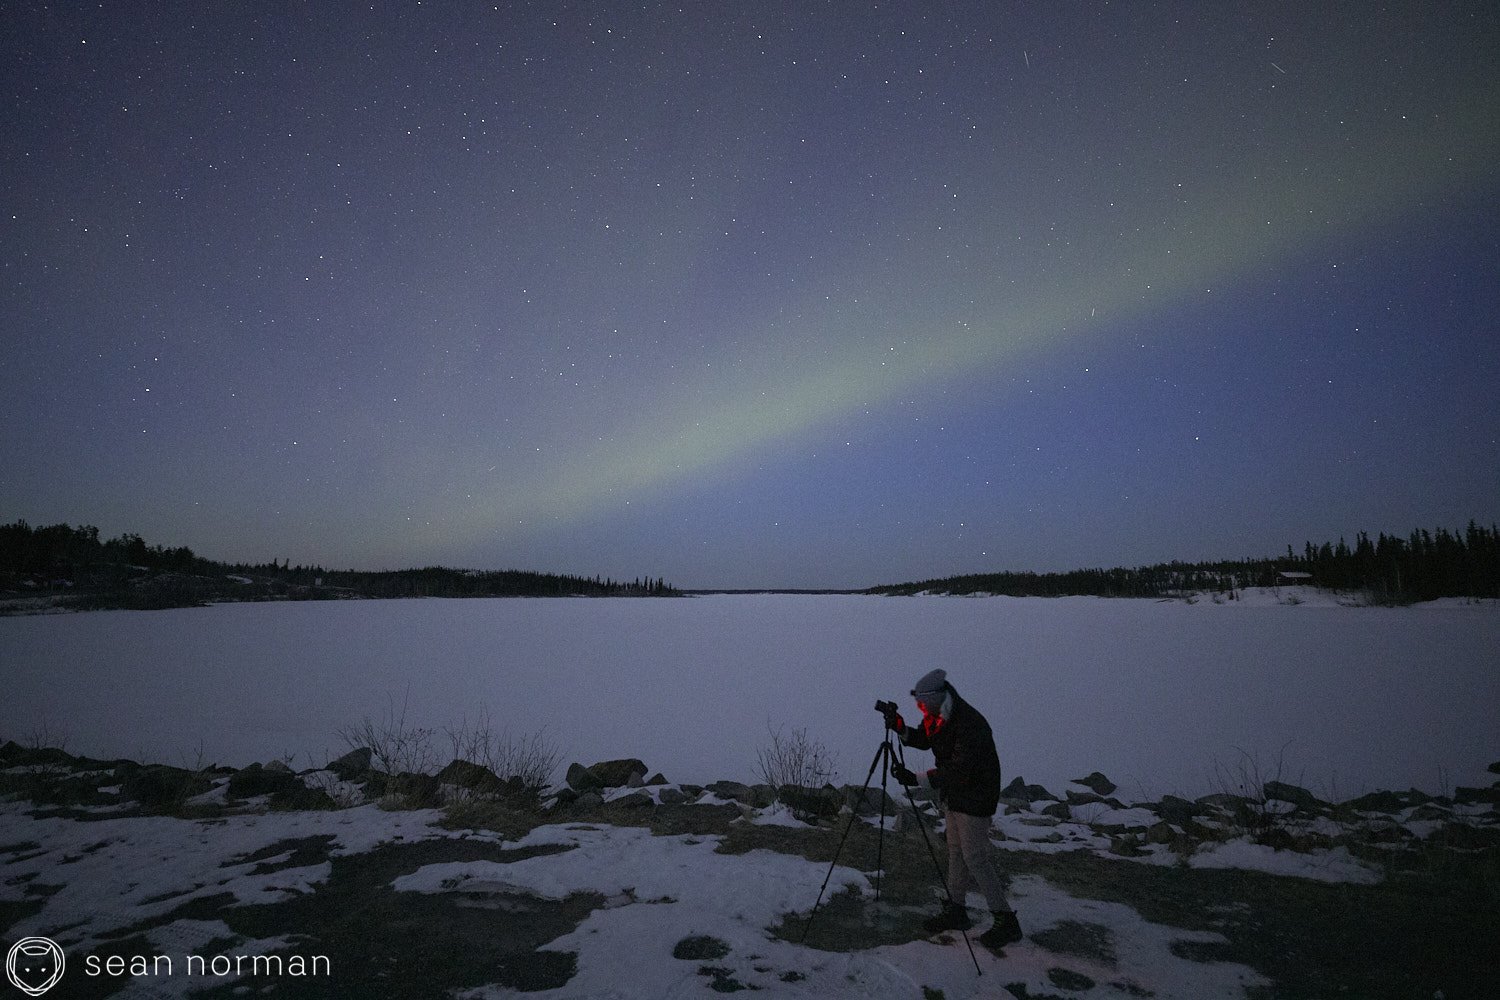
(1389, 570)
(60, 556)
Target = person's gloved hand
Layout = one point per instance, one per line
(934, 780)
(903, 775)
(893, 721)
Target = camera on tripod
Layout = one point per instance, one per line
(890, 711)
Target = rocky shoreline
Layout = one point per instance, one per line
(1087, 813)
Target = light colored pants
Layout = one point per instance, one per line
(970, 863)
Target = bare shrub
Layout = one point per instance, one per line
(532, 758)
(397, 746)
(1254, 813)
(795, 760)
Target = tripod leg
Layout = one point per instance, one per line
(885, 770)
(853, 815)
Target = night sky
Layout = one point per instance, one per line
(755, 294)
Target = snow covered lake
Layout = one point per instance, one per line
(1164, 697)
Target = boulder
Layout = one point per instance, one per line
(587, 801)
(279, 765)
(1090, 798)
(1160, 833)
(582, 779)
(625, 773)
(1295, 794)
(866, 801)
(466, 774)
(1475, 796)
(1493, 768)
(157, 786)
(812, 803)
(657, 779)
(1097, 783)
(1018, 789)
(417, 789)
(1057, 810)
(1389, 802)
(249, 782)
(353, 764)
(1465, 837)
(733, 790)
(672, 796)
(1175, 810)
(634, 800)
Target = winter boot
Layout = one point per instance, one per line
(952, 918)
(1005, 930)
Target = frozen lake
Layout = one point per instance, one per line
(1153, 694)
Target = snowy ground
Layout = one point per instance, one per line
(650, 913)
(1160, 695)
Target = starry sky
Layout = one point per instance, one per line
(750, 294)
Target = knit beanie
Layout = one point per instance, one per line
(931, 685)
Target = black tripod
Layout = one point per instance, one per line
(889, 750)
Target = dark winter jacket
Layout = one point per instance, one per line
(968, 768)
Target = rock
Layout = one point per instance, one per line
(375, 784)
(1175, 810)
(1295, 794)
(1493, 768)
(1225, 802)
(254, 780)
(466, 774)
(1464, 837)
(587, 801)
(1058, 810)
(1020, 791)
(157, 786)
(634, 800)
(1474, 796)
(657, 779)
(1389, 802)
(732, 790)
(762, 796)
(353, 764)
(1126, 847)
(1160, 833)
(867, 801)
(582, 779)
(279, 765)
(672, 796)
(812, 803)
(417, 789)
(1277, 838)
(1097, 783)
(620, 773)
(1089, 798)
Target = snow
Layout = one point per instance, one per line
(658, 890)
(1154, 694)
(1332, 865)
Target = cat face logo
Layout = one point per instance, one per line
(34, 965)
